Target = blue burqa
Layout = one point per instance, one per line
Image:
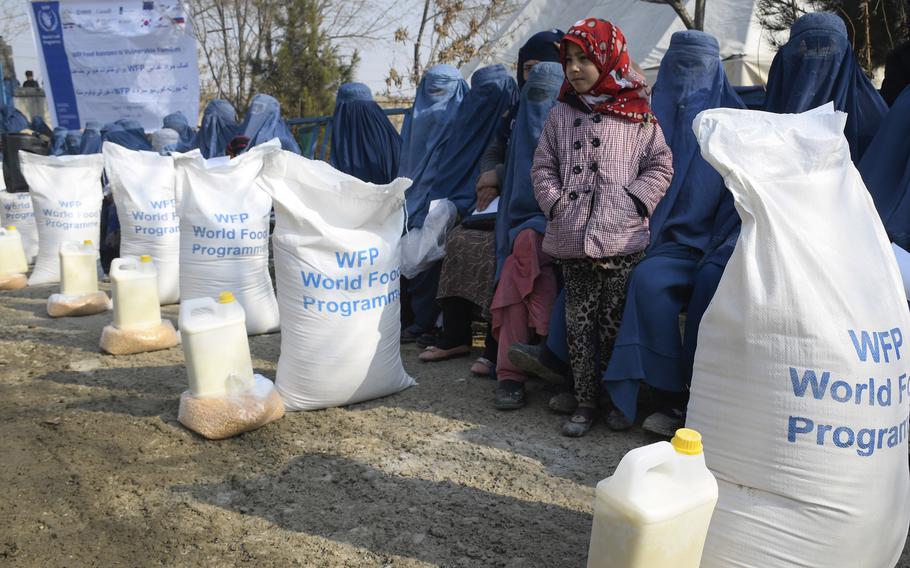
(91, 141)
(73, 142)
(518, 208)
(12, 119)
(817, 66)
(219, 125)
(364, 142)
(493, 92)
(128, 138)
(39, 126)
(885, 168)
(425, 131)
(814, 67)
(179, 124)
(649, 347)
(263, 122)
(58, 141)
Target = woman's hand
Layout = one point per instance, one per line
(488, 178)
(485, 195)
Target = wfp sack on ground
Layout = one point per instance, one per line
(800, 385)
(143, 187)
(423, 246)
(337, 271)
(240, 410)
(66, 196)
(16, 209)
(224, 232)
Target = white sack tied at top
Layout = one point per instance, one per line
(143, 186)
(800, 386)
(224, 232)
(338, 275)
(66, 198)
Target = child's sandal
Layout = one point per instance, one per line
(580, 422)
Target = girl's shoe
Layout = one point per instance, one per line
(580, 422)
(510, 395)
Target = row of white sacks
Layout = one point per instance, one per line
(206, 225)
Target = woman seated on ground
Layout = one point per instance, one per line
(426, 130)
(526, 278)
(649, 346)
(492, 93)
(466, 281)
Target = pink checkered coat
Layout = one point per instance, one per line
(586, 168)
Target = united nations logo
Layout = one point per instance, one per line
(48, 20)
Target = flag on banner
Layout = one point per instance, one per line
(106, 60)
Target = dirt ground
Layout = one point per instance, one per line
(96, 470)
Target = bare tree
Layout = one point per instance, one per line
(874, 27)
(449, 31)
(679, 6)
(239, 39)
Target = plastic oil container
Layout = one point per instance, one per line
(134, 284)
(654, 511)
(215, 345)
(12, 252)
(78, 268)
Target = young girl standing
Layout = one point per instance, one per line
(600, 169)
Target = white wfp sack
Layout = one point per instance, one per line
(337, 270)
(66, 197)
(16, 209)
(800, 384)
(143, 187)
(224, 232)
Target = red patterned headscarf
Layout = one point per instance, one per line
(621, 87)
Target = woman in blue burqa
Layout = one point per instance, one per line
(885, 168)
(177, 122)
(424, 134)
(127, 133)
(73, 142)
(814, 67)
(493, 92)
(466, 281)
(91, 138)
(263, 122)
(364, 143)
(219, 126)
(649, 346)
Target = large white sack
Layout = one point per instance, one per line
(337, 270)
(800, 384)
(16, 209)
(143, 187)
(224, 232)
(66, 197)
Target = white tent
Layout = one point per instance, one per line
(744, 45)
